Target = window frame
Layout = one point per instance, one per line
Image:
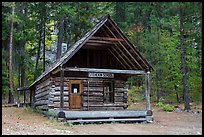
(111, 92)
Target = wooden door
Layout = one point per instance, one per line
(75, 95)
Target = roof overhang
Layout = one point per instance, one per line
(133, 72)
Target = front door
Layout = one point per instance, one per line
(75, 95)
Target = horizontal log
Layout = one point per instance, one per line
(93, 81)
(119, 94)
(93, 88)
(99, 42)
(42, 87)
(59, 79)
(104, 108)
(22, 88)
(59, 88)
(93, 100)
(106, 38)
(120, 84)
(42, 84)
(92, 97)
(106, 70)
(121, 90)
(38, 91)
(41, 102)
(98, 104)
(58, 98)
(105, 114)
(44, 107)
(93, 85)
(57, 104)
(57, 93)
(42, 94)
(58, 84)
(93, 104)
(92, 94)
(43, 97)
(118, 98)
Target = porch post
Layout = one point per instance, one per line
(61, 89)
(18, 98)
(24, 97)
(88, 96)
(147, 91)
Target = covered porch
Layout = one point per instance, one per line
(100, 116)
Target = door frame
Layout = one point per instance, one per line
(80, 82)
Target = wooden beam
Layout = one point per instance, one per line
(56, 71)
(88, 58)
(147, 91)
(22, 88)
(123, 46)
(101, 41)
(118, 54)
(117, 59)
(106, 70)
(106, 38)
(95, 47)
(127, 41)
(61, 89)
(18, 98)
(97, 44)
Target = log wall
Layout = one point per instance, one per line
(42, 94)
(94, 98)
(47, 95)
(55, 94)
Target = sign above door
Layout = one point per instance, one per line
(100, 75)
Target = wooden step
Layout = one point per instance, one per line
(105, 120)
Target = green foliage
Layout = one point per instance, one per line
(135, 94)
(32, 110)
(166, 107)
(153, 28)
(160, 104)
(5, 80)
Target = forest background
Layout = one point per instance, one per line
(167, 34)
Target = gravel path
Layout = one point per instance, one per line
(18, 121)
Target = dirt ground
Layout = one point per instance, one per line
(21, 121)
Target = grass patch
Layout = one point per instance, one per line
(32, 110)
(166, 107)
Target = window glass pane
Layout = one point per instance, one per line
(75, 88)
(108, 92)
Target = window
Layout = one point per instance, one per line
(108, 92)
(75, 88)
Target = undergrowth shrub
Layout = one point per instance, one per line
(166, 107)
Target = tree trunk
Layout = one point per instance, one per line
(186, 97)
(60, 36)
(22, 65)
(120, 11)
(44, 47)
(38, 55)
(44, 34)
(11, 98)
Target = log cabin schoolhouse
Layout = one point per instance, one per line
(92, 75)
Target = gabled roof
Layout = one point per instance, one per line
(130, 49)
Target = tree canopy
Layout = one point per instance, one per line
(155, 28)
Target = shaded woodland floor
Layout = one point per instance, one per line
(23, 121)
